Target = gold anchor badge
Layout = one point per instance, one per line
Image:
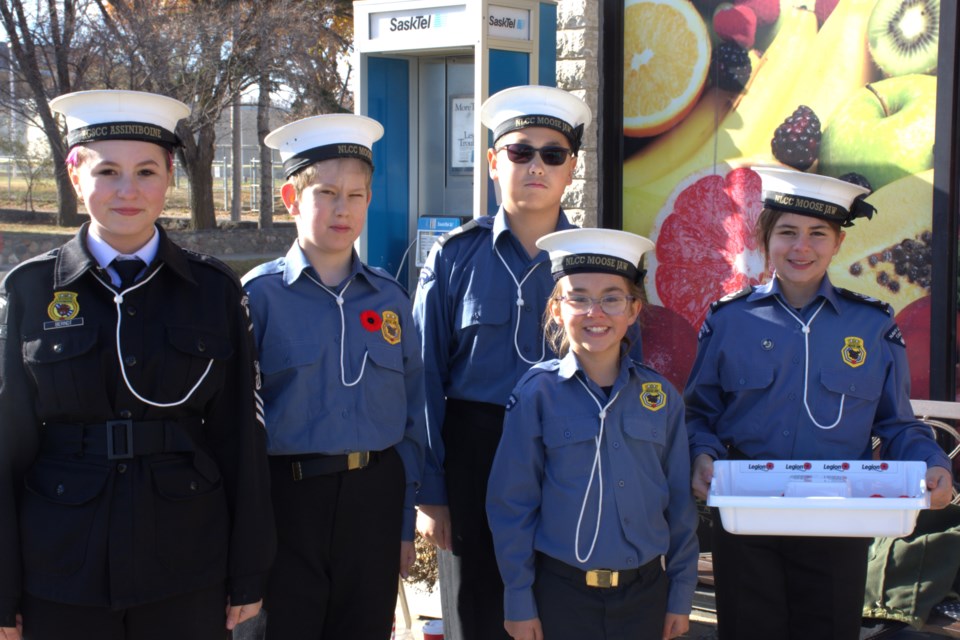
(652, 396)
(853, 352)
(390, 329)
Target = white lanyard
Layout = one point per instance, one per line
(595, 470)
(343, 330)
(520, 303)
(118, 300)
(806, 364)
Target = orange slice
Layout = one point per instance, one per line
(666, 57)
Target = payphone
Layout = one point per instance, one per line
(424, 68)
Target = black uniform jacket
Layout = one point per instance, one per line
(106, 500)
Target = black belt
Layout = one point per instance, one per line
(122, 439)
(318, 464)
(598, 578)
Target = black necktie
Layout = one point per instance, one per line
(127, 270)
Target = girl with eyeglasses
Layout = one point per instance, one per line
(589, 487)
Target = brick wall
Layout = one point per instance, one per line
(578, 50)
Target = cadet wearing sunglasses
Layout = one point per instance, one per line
(520, 153)
(479, 305)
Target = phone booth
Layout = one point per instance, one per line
(424, 68)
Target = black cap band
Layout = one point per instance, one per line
(573, 134)
(829, 211)
(594, 263)
(124, 131)
(306, 158)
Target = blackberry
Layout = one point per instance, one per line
(856, 178)
(796, 142)
(730, 66)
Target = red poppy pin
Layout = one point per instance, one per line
(371, 320)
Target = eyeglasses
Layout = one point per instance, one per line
(523, 153)
(612, 305)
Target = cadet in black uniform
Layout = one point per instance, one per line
(134, 497)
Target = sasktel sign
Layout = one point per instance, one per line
(437, 24)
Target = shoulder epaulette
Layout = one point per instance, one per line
(43, 257)
(868, 300)
(730, 297)
(462, 229)
(265, 269)
(209, 260)
(382, 273)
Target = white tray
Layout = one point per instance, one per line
(856, 498)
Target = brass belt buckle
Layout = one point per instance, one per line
(357, 460)
(603, 578)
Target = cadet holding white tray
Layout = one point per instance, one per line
(797, 369)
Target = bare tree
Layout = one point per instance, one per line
(49, 54)
(198, 51)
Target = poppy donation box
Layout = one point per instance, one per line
(858, 498)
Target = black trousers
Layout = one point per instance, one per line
(788, 587)
(200, 615)
(338, 553)
(471, 583)
(570, 610)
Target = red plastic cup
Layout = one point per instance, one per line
(433, 630)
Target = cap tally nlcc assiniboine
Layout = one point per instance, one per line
(536, 106)
(324, 137)
(595, 251)
(810, 194)
(120, 115)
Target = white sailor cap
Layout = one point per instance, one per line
(120, 115)
(536, 106)
(810, 194)
(595, 251)
(333, 135)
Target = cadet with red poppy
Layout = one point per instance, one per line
(343, 396)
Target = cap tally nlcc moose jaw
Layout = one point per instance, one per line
(536, 106)
(334, 135)
(595, 251)
(810, 194)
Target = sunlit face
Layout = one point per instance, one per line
(331, 211)
(534, 186)
(594, 333)
(123, 184)
(800, 249)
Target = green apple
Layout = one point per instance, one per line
(884, 131)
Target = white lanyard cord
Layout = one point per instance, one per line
(595, 470)
(343, 331)
(118, 300)
(520, 303)
(806, 365)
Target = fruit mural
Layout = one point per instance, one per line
(845, 88)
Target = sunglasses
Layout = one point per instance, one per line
(523, 153)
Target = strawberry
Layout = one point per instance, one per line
(737, 24)
(767, 11)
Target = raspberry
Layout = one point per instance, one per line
(737, 24)
(857, 179)
(767, 11)
(730, 67)
(796, 142)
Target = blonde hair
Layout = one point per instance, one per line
(308, 175)
(555, 334)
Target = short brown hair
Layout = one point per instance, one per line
(308, 175)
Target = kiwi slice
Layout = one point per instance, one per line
(903, 36)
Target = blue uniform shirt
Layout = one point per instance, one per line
(304, 361)
(751, 385)
(467, 314)
(543, 467)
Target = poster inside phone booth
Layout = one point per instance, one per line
(843, 88)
